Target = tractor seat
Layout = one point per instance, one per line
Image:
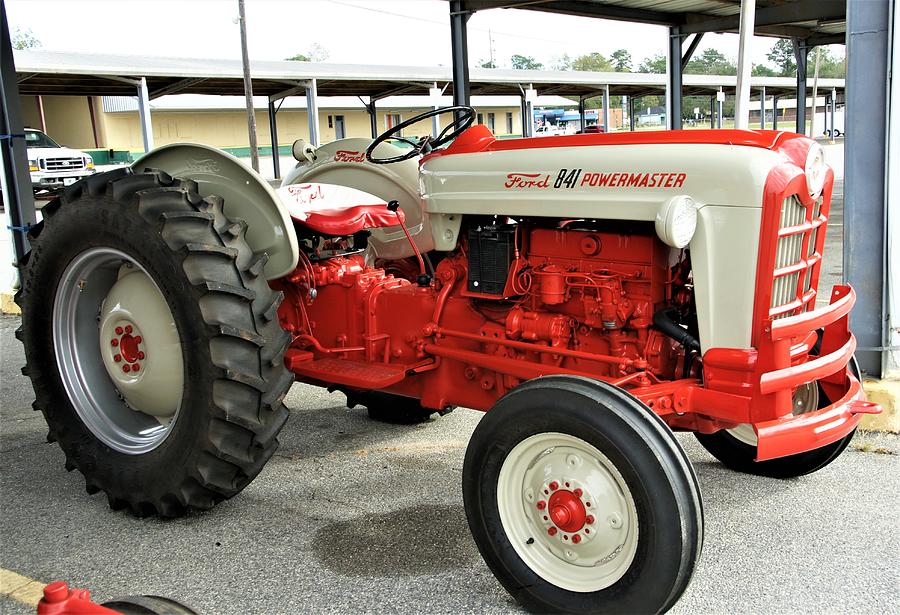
(329, 209)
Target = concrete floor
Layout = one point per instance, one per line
(356, 516)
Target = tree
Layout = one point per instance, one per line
(621, 60)
(762, 70)
(830, 67)
(653, 64)
(24, 39)
(316, 53)
(487, 64)
(711, 62)
(593, 62)
(782, 56)
(520, 62)
(563, 62)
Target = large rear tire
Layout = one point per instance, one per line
(581, 500)
(152, 342)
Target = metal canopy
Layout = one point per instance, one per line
(45, 73)
(820, 22)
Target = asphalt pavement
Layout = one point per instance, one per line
(353, 516)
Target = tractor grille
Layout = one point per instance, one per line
(63, 164)
(798, 257)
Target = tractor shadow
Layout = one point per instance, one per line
(413, 541)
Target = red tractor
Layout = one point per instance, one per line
(592, 292)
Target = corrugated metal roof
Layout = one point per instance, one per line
(48, 73)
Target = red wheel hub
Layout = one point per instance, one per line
(567, 511)
(128, 347)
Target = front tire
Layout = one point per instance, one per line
(581, 500)
(152, 342)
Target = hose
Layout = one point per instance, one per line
(664, 320)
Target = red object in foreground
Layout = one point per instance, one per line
(59, 599)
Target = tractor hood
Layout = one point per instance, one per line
(611, 176)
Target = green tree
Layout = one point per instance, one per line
(563, 62)
(711, 62)
(653, 64)
(520, 62)
(621, 60)
(762, 70)
(830, 66)
(24, 39)
(316, 53)
(487, 64)
(592, 61)
(782, 56)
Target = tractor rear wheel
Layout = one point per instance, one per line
(581, 500)
(152, 342)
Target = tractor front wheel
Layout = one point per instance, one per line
(581, 500)
(152, 342)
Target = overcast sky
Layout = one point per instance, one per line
(411, 32)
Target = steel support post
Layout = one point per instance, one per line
(273, 131)
(435, 94)
(801, 54)
(720, 107)
(373, 118)
(712, 111)
(312, 112)
(742, 92)
(673, 82)
(606, 126)
(833, 105)
(144, 110)
(459, 48)
(581, 115)
(775, 112)
(762, 108)
(15, 180)
(631, 118)
(865, 171)
(524, 114)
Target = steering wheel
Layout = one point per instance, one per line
(464, 119)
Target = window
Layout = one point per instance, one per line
(490, 123)
(391, 120)
(509, 122)
(480, 119)
(330, 122)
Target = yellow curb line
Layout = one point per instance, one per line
(7, 305)
(20, 588)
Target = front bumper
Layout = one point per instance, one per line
(58, 180)
(761, 382)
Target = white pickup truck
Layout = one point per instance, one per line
(52, 166)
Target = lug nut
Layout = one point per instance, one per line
(589, 519)
(554, 486)
(551, 531)
(119, 331)
(117, 358)
(126, 368)
(136, 367)
(576, 538)
(128, 329)
(578, 493)
(542, 505)
(140, 355)
(114, 342)
(138, 339)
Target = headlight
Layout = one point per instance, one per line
(33, 166)
(676, 221)
(88, 162)
(815, 169)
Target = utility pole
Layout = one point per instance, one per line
(248, 88)
(812, 123)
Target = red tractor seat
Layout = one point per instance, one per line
(336, 210)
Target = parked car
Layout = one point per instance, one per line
(52, 166)
(592, 129)
(548, 130)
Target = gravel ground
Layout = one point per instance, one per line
(355, 516)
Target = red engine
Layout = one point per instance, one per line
(515, 300)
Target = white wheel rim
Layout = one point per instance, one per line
(545, 484)
(101, 291)
(805, 399)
